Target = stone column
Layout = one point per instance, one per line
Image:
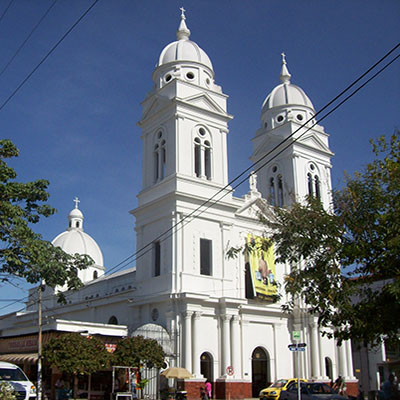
(195, 338)
(349, 360)
(236, 348)
(187, 339)
(225, 343)
(315, 365)
(342, 361)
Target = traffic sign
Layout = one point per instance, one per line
(296, 335)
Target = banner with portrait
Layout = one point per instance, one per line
(262, 268)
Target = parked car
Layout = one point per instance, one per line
(311, 391)
(273, 391)
(13, 375)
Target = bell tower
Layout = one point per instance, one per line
(184, 132)
(291, 150)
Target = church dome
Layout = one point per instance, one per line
(75, 241)
(286, 93)
(184, 49)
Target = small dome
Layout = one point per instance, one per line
(184, 49)
(286, 93)
(75, 241)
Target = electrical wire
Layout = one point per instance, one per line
(27, 38)
(47, 55)
(227, 189)
(6, 9)
(210, 201)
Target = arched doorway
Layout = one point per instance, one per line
(260, 370)
(328, 368)
(206, 366)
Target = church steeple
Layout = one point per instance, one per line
(303, 168)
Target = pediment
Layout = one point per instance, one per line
(313, 141)
(254, 207)
(204, 101)
(152, 108)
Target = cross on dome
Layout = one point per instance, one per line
(76, 201)
(285, 74)
(183, 13)
(183, 32)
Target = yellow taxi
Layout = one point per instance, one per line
(273, 391)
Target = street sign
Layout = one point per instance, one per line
(293, 348)
(296, 335)
(229, 370)
(301, 344)
(297, 346)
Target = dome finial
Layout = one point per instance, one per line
(285, 75)
(183, 32)
(76, 201)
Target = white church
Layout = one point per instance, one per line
(214, 315)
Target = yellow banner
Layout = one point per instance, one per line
(262, 268)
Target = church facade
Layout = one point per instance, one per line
(214, 315)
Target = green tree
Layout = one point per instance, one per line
(23, 252)
(345, 262)
(75, 354)
(137, 351)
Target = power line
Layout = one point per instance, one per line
(210, 201)
(27, 38)
(6, 9)
(47, 55)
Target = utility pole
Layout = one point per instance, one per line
(39, 364)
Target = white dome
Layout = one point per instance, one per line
(75, 241)
(286, 93)
(184, 49)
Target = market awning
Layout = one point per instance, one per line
(16, 358)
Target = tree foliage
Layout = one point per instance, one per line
(23, 252)
(137, 350)
(75, 354)
(346, 261)
(7, 392)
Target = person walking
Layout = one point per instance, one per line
(208, 389)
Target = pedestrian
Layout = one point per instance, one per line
(59, 387)
(388, 388)
(208, 389)
(338, 386)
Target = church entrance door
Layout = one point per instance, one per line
(260, 370)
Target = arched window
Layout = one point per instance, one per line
(317, 187)
(160, 157)
(272, 192)
(113, 320)
(202, 154)
(310, 185)
(95, 275)
(313, 182)
(280, 191)
(276, 195)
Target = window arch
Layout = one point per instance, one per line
(95, 275)
(313, 182)
(113, 320)
(275, 189)
(328, 368)
(202, 154)
(160, 157)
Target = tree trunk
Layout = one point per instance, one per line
(75, 386)
(89, 385)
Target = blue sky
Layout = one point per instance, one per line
(74, 120)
